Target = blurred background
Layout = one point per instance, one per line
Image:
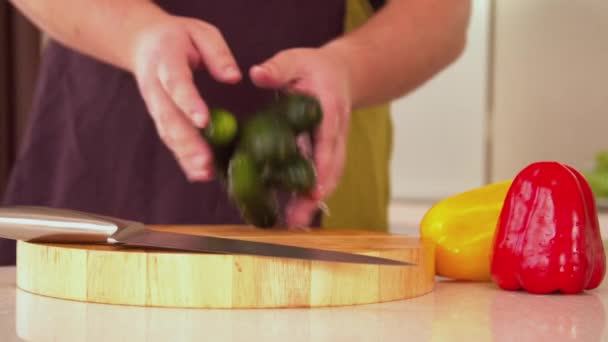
(532, 85)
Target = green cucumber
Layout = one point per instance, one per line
(261, 156)
(267, 139)
(257, 203)
(244, 178)
(221, 133)
(262, 212)
(303, 113)
(222, 127)
(297, 175)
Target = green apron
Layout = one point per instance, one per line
(362, 197)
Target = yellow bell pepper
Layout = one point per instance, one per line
(462, 227)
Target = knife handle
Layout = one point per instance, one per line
(42, 224)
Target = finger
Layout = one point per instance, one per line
(327, 137)
(176, 78)
(279, 71)
(191, 152)
(302, 209)
(336, 170)
(304, 145)
(340, 150)
(300, 212)
(215, 52)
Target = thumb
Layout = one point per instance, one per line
(276, 72)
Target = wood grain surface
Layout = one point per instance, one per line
(155, 277)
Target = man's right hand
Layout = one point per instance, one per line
(160, 49)
(164, 55)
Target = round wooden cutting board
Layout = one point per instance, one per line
(129, 276)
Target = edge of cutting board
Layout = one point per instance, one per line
(109, 275)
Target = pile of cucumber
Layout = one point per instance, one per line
(261, 157)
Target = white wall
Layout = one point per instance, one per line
(547, 99)
(550, 83)
(440, 129)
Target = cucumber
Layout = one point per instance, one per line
(222, 127)
(261, 156)
(262, 212)
(268, 139)
(297, 175)
(301, 112)
(221, 133)
(244, 178)
(257, 203)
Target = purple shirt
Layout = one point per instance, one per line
(92, 146)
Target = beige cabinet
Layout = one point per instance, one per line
(532, 85)
(550, 83)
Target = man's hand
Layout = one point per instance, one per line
(164, 56)
(398, 49)
(318, 73)
(160, 49)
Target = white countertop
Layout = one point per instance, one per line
(454, 311)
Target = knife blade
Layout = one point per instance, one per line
(54, 225)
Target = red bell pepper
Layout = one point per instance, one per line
(547, 237)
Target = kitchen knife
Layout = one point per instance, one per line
(52, 225)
